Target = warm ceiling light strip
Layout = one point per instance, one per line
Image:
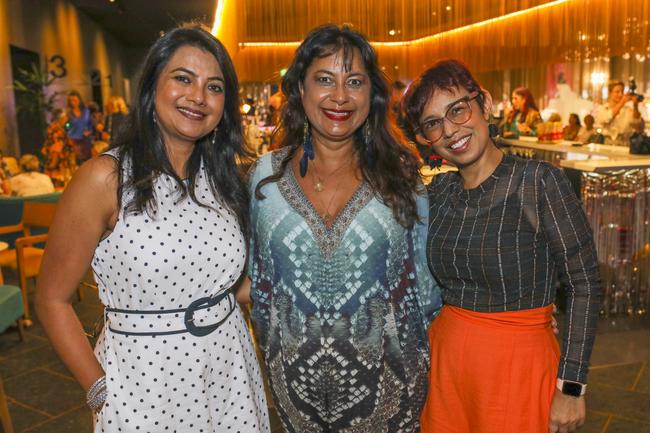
(425, 38)
(218, 17)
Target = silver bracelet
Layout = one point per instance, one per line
(96, 395)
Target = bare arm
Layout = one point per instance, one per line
(617, 108)
(87, 210)
(243, 294)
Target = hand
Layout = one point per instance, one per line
(567, 413)
(522, 127)
(554, 326)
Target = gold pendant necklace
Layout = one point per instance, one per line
(318, 181)
(318, 184)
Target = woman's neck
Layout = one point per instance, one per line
(476, 173)
(178, 155)
(332, 155)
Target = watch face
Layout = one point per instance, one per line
(572, 388)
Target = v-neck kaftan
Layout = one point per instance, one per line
(341, 312)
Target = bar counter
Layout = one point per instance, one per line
(615, 190)
(596, 158)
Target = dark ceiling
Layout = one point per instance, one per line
(137, 23)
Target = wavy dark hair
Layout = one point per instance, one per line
(390, 167)
(141, 141)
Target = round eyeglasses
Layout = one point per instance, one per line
(458, 113)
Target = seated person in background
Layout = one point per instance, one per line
(615, 116)
(4, 177)
(4, 185)
(554, 117)
(587, 130)
(31, 181)
(10, 166)
(524, 116)
(570, 132)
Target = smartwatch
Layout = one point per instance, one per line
(574, 389)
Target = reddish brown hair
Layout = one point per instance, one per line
(445, 75)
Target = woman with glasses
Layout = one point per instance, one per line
(500, 230)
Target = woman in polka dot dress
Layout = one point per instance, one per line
(162, 218)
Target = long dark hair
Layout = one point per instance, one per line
(142, 143)
(529, 104)
(388, 166)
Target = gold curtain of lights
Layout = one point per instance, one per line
(490, 35)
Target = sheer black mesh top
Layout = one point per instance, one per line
(502, 245)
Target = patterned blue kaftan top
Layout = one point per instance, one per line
(340, 314)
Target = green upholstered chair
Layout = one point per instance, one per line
(11, 307)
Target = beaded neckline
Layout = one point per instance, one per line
(327, 238)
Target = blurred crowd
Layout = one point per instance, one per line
(75, 134)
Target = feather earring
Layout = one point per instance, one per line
(308, 150)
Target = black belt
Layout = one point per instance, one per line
(175, 321)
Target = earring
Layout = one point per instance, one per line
(366, 133)
(214, 137)
(368, 143)
(307, 149)
(153, 116)
(493, 130)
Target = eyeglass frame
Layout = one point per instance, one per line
(467, 99)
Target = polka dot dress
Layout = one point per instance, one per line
(176, 382)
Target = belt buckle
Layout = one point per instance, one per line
(198, 331)
(207, 301)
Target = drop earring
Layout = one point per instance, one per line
(307, 149)
(214, 136)
(368, 144)
(493, 130)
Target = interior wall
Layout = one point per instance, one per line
(55, 27)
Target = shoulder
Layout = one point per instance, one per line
(261, 168)
(42, 176)
(98, 173)
(533, 115)
(441, 182)
(93, 190)
(535, 172)
(268, 163)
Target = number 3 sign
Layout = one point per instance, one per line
(59, 70)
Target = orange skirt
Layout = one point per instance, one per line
(491, 372)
